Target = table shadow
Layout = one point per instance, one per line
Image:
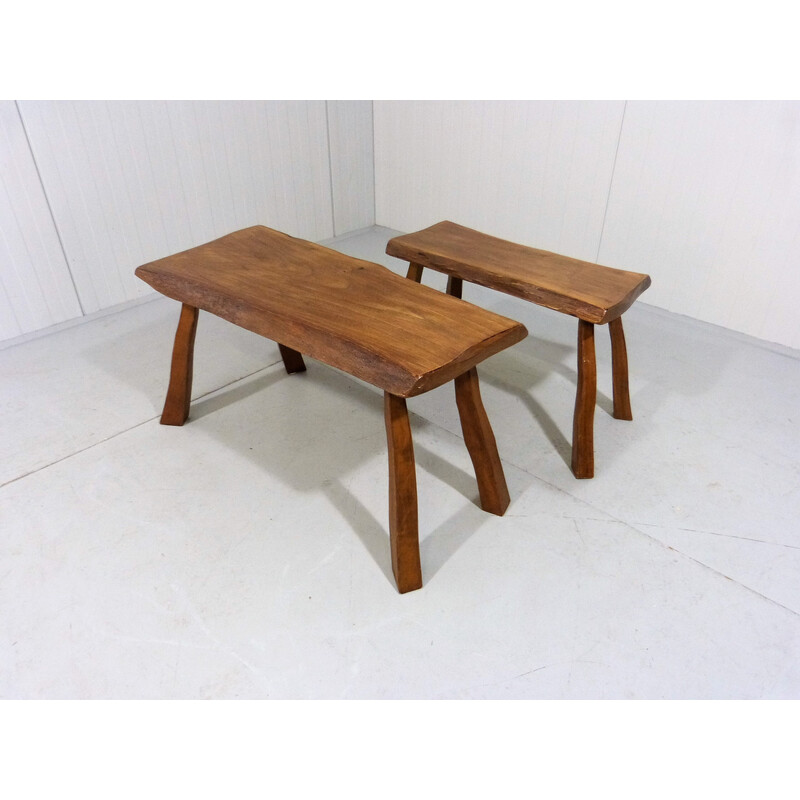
(297, 462)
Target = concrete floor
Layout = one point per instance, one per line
(246, 554)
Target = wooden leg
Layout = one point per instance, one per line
(619, 367)
(454, 286)
(179, 393)
(481, 444)
(292, 360)
(414, 272)
(583, 421)
(403, 530)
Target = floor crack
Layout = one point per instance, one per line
(133, 427)
(717, 533)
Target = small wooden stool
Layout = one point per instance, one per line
(596, 295)
(358, 317)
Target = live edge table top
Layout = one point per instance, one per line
(585, 290)
(354, 315)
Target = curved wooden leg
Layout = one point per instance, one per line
(619, 368)
(583, 421)
(179, 393)
(403, 530)
(292, 360)
(414, 272)
(454, 286)
(481, 444)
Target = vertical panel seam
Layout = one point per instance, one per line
(330, 165)
(49, 208)
(374, 173)
(611, 183)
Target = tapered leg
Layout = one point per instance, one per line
(583, 421)
(481, 444)
(454, 286)
(179, 393)
(292, 360)
(619, 367)
(414, 272)
(403, 530)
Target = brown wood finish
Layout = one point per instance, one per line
(354, 315)
(593, 293)
(481, 444)
(357, 316)
(455, 286)
(414, 273)
(588, 291)
(583, 421)
(292, 360)
(403, 525)
(179, 393)
(619, 368)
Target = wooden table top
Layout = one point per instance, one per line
(585, 290)
(354, 315)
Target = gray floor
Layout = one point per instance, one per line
(245, 555)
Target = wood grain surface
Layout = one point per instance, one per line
(585, 399)
(588, 291)
(403, 517)
(481, 444)
(619, 370)
(354, 315)
(179, 392)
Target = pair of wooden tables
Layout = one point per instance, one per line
(401, 336)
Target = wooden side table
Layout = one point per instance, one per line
(358, 317)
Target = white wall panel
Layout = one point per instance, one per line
(35, 285)
(706, 198)
(534, 172)
(352, 173)
(129, 182)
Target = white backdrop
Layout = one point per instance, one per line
(704, 196)
(90, 190)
